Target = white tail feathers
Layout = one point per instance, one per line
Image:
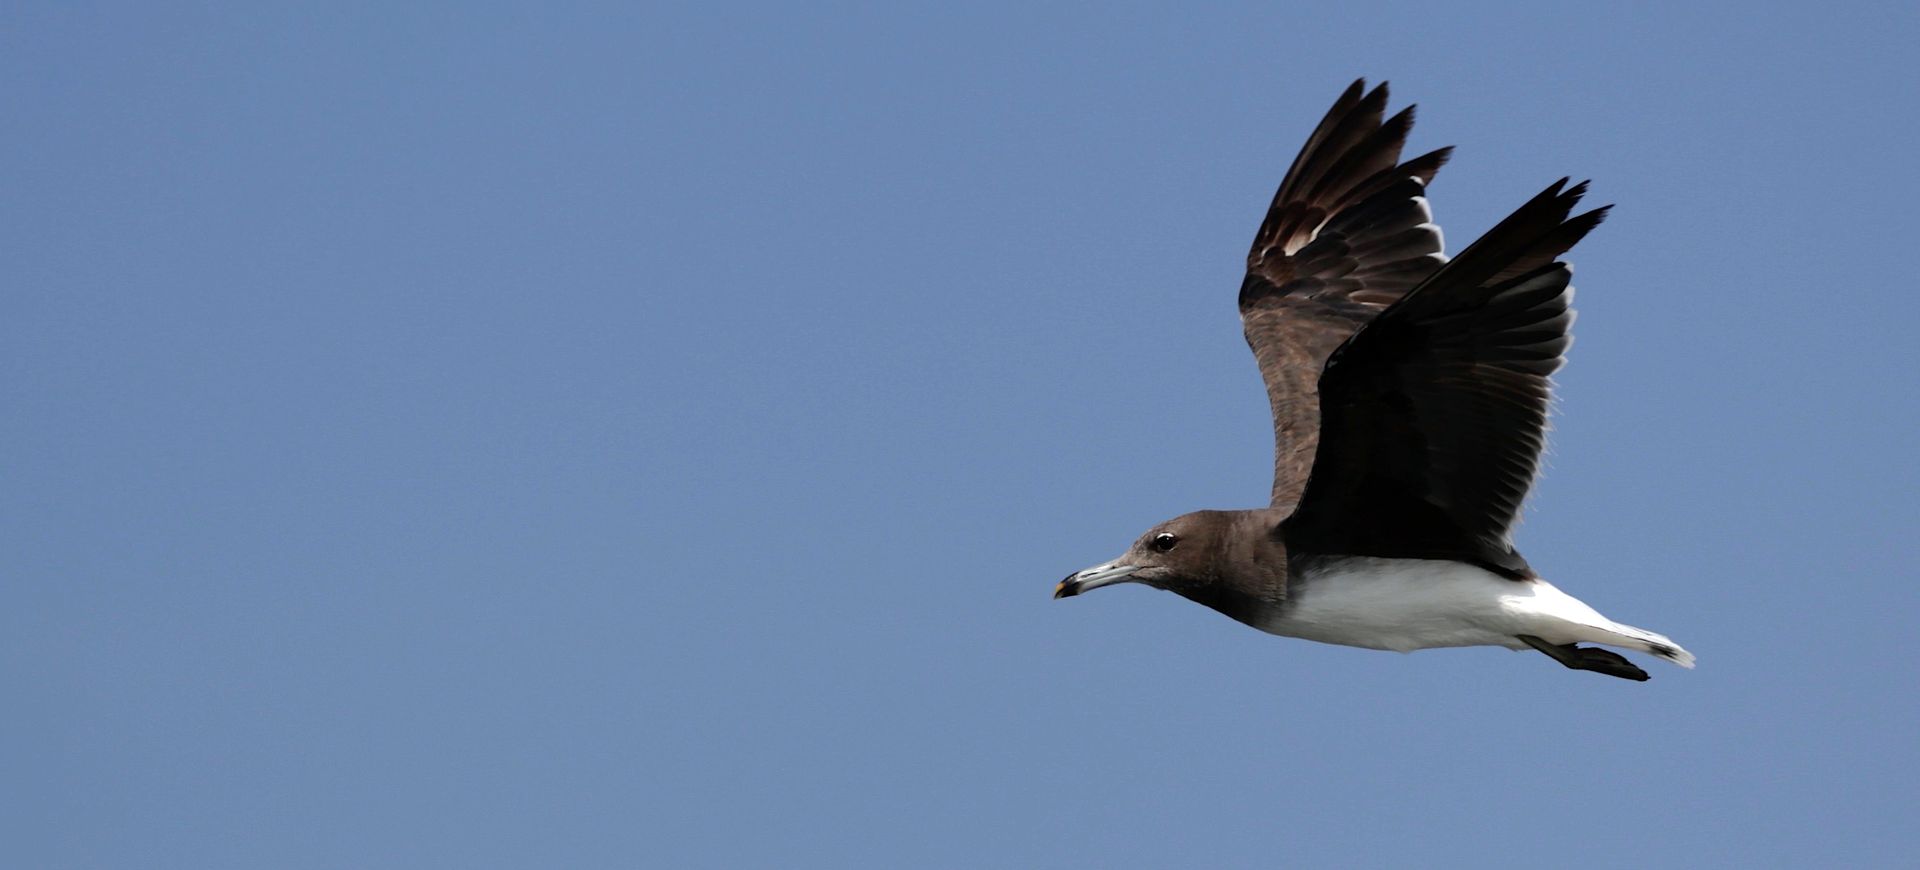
(1656, 643)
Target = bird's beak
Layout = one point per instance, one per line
(1093, 578)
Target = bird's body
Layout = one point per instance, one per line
(1409, 397)
(1409, 604)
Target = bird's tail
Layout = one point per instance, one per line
(1653, 642)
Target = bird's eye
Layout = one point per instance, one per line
(1165, 541)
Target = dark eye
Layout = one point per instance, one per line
(1165, 541)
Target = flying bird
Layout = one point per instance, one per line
(1409, 396)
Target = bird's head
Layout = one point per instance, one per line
(1179, 555)
(1230, 561)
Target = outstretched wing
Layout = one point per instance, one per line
(1433, 415)
(1348, 233)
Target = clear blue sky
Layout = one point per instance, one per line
(615, 436)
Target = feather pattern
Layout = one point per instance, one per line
(1348, 233)
(1434, 413)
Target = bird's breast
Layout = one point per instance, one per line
(1396, 604)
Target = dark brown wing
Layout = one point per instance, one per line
(1433, 415)
(1348, 233)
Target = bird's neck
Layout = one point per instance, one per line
(1249, 576)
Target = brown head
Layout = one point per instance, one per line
(1231, 561)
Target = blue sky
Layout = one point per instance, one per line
(638, 435)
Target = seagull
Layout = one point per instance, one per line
(1409, 396)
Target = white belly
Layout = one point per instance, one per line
(1410, 604)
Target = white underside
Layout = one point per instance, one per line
(1409, 604)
